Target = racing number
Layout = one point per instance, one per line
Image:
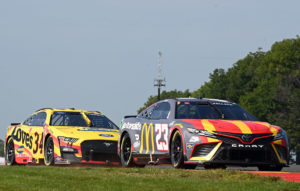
(161, 141)
(38, 144)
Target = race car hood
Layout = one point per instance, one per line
(86, 133)
(233, 126)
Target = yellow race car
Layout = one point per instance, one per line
(62, 136)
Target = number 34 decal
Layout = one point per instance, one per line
(161, 138)
(38, 143)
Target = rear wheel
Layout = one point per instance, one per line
(126, 152)
(49, 152)
(10, 153)
(177, 157)
(270, 168)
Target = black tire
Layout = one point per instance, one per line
(10, 153)
(49, 152)
(177, 157)
(126, 152)
(270, 168)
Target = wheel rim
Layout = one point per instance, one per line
(49, 152)
(177, 149)
(126, 149)
(10, 152)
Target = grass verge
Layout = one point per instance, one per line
(103, 178)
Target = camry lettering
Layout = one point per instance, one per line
(247, 146)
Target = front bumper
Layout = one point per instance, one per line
(91, 152)
(231, 152)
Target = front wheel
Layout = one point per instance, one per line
(10, 153)
(126, 152)
(49, 152)
(177, 157)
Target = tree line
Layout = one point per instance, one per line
(267, 84)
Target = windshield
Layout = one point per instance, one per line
(67, 119)
(100, 121)
(212, 110)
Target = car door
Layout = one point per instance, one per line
(159, 118)
(154, 131)
(36, 131)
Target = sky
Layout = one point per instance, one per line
(103, 54)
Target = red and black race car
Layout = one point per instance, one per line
(187, 132)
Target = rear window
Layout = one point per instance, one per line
(100, 121)
(67, 119)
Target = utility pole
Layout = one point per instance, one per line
(159, 81)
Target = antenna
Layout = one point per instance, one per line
(159, 81)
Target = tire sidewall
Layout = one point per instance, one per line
(129, 162)
(12, 162)
(180, 162)
(48, 163)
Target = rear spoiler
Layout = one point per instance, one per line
(130, 116)
(14, 124)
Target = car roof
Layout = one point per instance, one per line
(202, 100)
(67, 110)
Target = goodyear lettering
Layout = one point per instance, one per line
(147, 130)
(21, 136)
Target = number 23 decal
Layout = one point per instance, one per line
(38, 143)
(161, 138)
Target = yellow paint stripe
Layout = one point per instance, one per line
(280, 160)
(207, 157)
(243, 127)
(142, 138)
(207, 125)
(262, 123)
(273, 130)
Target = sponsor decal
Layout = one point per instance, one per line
(161, 137)
(59, 159)
(96, 129)
(147, 131)
(194, 139)
(105, 135)
(137, 137)
(21, 136)
(132, 126)
(190, 146)
(247, 146)
(20, 150)
(21, 156)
